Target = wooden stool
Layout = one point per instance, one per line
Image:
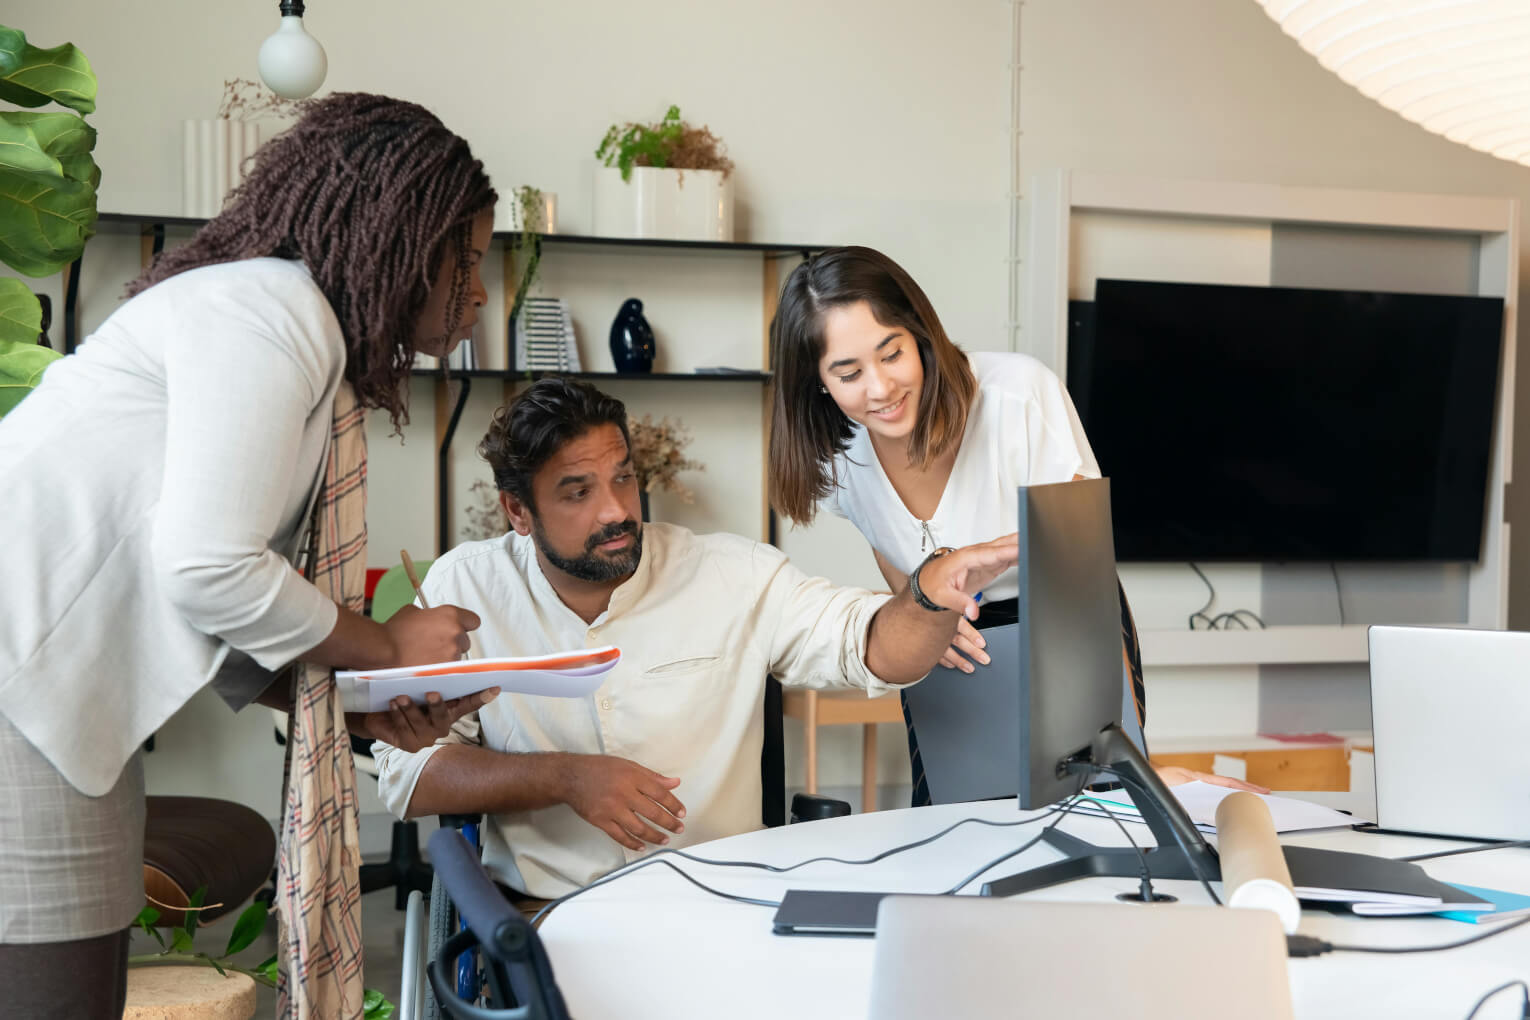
(841, 708)
(188, 993)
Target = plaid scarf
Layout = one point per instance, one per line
(318, 891)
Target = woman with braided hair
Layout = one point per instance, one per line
(185, 505)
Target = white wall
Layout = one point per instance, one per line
(884, 123)
(865, 121)
(1213, 90)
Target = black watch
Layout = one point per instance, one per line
(920, 599)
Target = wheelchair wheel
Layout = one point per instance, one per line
(443, 925)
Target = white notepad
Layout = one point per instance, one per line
(572, 674)
(1200, 801)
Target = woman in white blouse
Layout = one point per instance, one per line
(160, 482)
(878, 417)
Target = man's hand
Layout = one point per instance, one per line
(951, 580)
(968, 644)
(1174, 775)
(621, 798)
(411, 727)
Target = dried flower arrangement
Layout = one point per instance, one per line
(657, 455)
(670, 142)
(485, 518)
(247, 100)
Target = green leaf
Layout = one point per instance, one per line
(214, 964)
(180, 941)
(37, 77)
(21, 151)
(12, 44)
(247, 929)
(268, 969)
(193, 915)
(44, 221)
(63, 136)
(148, 915)
(21, 369)
(375, 1006)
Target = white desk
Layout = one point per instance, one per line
(651, 944)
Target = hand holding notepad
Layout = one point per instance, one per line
(571, 674)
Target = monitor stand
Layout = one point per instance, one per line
(1180, 849)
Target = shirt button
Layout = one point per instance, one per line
(605, 704)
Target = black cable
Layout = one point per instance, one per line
(1211, 597)
(1338, 593)
(1311, 945)
(639, 866)
(1195, 862)
(656, 857)
(1524, 991)
(1061, 810)
(1509, 845)
(1145, 876)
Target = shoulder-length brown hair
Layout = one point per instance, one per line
(807, 429)
(372, 194)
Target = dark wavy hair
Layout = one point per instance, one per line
(371, 194)
(807, 429)
(528, 431)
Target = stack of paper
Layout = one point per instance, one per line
(561, 675)
(1200, 801)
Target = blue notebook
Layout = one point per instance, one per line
(1506, 905)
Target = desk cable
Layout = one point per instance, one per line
(1506, 845)
(1524, 991)
(1193, 860)
(657, 857)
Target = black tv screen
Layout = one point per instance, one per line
(1285, 424)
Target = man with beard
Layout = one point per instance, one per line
(667, 751)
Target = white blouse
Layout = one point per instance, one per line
(1021, 430)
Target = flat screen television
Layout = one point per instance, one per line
(1286, 424)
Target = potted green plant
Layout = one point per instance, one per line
(47, 192)
(181, 950)
(665, 179)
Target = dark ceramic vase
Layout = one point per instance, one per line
(632, 339)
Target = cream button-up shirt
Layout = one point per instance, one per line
(700, 624)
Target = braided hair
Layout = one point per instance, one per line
(371, 194)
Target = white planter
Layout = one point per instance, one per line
(675, 205)
(212, 162)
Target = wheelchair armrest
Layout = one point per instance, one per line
(808, 807)
(459, 821)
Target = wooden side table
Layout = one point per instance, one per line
(843, 708)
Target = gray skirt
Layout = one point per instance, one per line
(71, 866)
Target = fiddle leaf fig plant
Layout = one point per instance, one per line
(48, 182)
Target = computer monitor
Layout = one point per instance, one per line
(1069, 683)
(1069, 664)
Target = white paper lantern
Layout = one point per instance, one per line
(1459, 68)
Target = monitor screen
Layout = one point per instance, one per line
(1285, 424)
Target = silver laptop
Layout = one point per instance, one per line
(969, 956)
(1450, 708)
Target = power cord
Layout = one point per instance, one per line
(1194, 861)
(1338, 593)
(1061, 810)
(1524, 991)
(1145, 891)
(1222, 620)
(1311, 945)
(1508, 845)
(657, 857)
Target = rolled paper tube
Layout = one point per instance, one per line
(1254, 872)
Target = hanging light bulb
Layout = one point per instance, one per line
(292, 63)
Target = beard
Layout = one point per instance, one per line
(592, 564)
